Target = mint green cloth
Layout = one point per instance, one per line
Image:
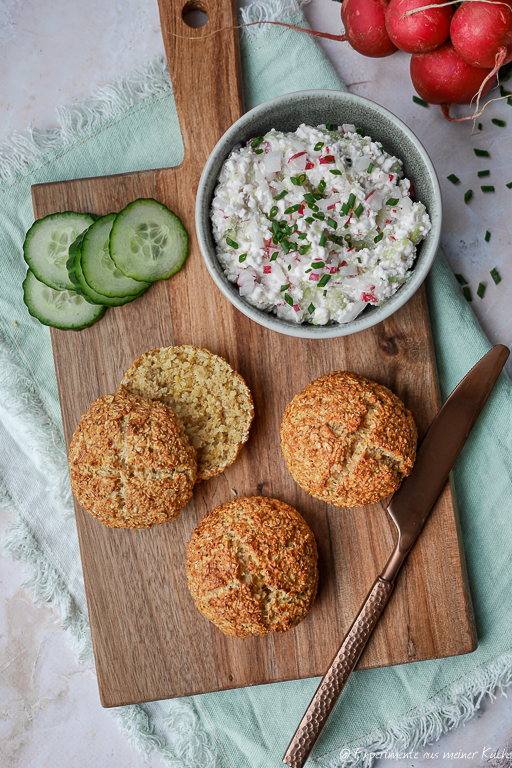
(393, 708)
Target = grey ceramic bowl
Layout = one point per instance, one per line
(286, 113)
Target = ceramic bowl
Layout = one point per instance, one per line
(286, 113)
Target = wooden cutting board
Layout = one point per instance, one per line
(149, 640)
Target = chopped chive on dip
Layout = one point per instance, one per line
(322, 185)
(274, 256)
(293, 208)
(323, 241)
(257, 141)
(308, 197)
(453, 178)
(284, 287)
(320, 216)
(419, 101)
(351, 200)
(331, 126)
(318, 146)
(231, 242)
(467, 293)
(280, 195)
(304, 249)
(480, 290)
(468, 195)
(344, 209)
(488, 188)
(309, 219)
(487, 236)
(500, 123)
(370, 168)
(258, 151)
(481, 152)
(360, 131)
(462, 280)
(335, 172)
(332, 223)
(302, 235)
(495, 276)
(480, 174)
(323, 281)
(392, 201)
(318, 264)
(311, 309)
(273, 211)
(378, 238)
(509, 185)
(358, 211)
(288, 299)
(242, 257)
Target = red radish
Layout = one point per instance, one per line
(443, 77)
(420, 32)
(365, 27)
(481, 32)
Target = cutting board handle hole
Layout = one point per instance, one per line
(194, 14)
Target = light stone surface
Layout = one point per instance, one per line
(54, 53)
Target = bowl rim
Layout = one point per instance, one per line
(306, 330)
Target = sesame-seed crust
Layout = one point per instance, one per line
(130, 462)
(348, 440)
(211, 399)
(252, 566)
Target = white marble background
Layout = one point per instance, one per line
(55, 52)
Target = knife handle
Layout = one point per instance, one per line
(337, 675)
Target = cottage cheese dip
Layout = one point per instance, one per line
(317, 224)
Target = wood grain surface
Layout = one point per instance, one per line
(149, 640)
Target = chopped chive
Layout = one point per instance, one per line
(296, 180)
(285, 245)
(480, 174)
(320, 216)
(323, 241)
(453, 178)
(509, 185)
(309, 219)
(304, 249)
(495, 276)
(308, 197)
(419, 101)
(318, 264)
(462, 280)
(311, 309)
(323, 281)
(370, 168)
(317, 195)
(332, 223)
(302, 235)
(335, 172)
(232, 243)
(351, 200)
(325, 293)
(274, 256)
(487, 236)
(481, 152)
(467, 293)
(258, 151)
(480, 126)
(275, 227)
(322, 185)
(318, 146)
(392, 201)
(344, 209)
(327, 159)
(273, 211)
(360, 131)
(280, 195)
(468, 195)
(242, 257)
(331, 126)
(480, 290)
(488, 188)
(256, 142)
(500, 123)
(284, 287)
(358, 211)
(378, 238)
(348, 237)
(293, 208)
(288, 299)
(359, 260)
(314, 207)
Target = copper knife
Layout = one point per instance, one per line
(409, 509)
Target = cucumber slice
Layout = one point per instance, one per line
(61, 309)
(98, 269)
(148, 241)
(47, 244)
(89, 294)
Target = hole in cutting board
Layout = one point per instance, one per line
(194, 16)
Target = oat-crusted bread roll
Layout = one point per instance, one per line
(252, 566)
(348, 440)
(211, 399)
(131, 463)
